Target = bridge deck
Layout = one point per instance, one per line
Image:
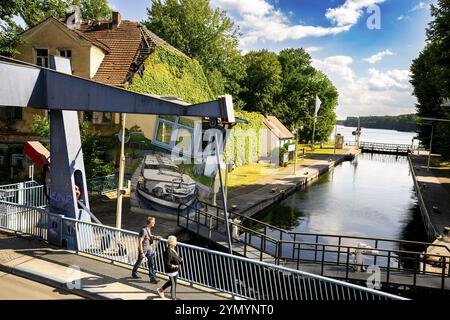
(98, 280)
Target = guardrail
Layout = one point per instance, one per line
(382, 147)
(101, 185)
(238, 276)
(28, 193)
(297, 248)
(432, 233)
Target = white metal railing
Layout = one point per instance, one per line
(28, 193)
(223, 272)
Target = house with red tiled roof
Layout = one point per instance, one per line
(111, 52)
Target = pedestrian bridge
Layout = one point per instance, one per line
(401, 263)
(23, 211)
(382, 148)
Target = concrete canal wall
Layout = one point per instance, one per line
(433, 196)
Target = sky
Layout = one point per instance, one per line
(364, 46)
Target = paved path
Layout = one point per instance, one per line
(435, 190)
(83, 275)
(17, 288)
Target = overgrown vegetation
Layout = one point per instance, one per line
(244, 143)
(168, 72)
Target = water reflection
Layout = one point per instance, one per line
(372, 196)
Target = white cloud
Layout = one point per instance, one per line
(391, 80)
(261, 21)
(312, 49)
(349, 12)
(421, 5)
(337, 65)
(375, 93)
(379, 56)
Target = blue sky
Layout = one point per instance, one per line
(370, 67)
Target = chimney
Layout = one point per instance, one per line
(116, 19)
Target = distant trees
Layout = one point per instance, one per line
(431, 79)
(405, 122)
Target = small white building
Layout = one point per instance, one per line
(274, 136)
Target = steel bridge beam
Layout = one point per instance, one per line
(27, 85)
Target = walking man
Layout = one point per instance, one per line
(146, 249)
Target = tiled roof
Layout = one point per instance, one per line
(123, 43)
(277, 128)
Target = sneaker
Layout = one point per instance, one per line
(154, 281)
(160, 292)
(135, 276)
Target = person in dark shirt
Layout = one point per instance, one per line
(146, 250)
(172, 262)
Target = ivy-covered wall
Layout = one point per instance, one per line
(244, 142)
(168, 72)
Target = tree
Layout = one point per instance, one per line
(9, 30)
(296, 102)
(93, 148)
(205, 34)
(263, 81)
(431, 79)
(94, 9)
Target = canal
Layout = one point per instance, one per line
(371, 196)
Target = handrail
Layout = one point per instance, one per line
(265, 224)
(205, 267)
(400, 255)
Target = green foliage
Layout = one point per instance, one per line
(94, 9)
(244, 143)
(431, 79)
(405, 122)
(263, 81)
(168, 72)
(93, 148)
(9, 37)
(205, 34)
(296, 103)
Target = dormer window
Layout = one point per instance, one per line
(42, 57)
(65, 53)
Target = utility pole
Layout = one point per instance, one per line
(316, 110)
(120, 190)
(335, 137)
(431, 145)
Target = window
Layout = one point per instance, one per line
(65, 53)
(8, 114)
(42, 57)
(183, 128)
(164, 133)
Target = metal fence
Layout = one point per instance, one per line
(326, 254)
(238, 276)
(28, 193)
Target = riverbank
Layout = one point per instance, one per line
(277, 185)
(433, 190)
